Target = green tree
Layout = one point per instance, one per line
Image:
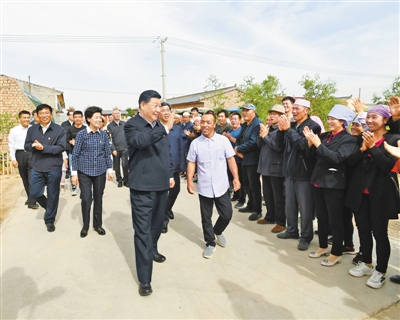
(263, 95)
(216, 96)
(320, 94)
(131, 112)
(394, 90)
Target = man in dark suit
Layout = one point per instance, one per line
(150, 178)
(46, 141)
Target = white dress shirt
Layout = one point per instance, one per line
(16, 140)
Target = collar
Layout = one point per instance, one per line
(152, 124)
(45, 127)
(88, 130)
(332, 136)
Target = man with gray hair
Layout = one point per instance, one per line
(119, 148)
(297, 169)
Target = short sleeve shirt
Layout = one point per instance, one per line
(210, 156)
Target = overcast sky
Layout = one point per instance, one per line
(296, 38)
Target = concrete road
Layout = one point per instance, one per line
(257, 276)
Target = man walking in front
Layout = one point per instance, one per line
(119, 148)
(150, 178)
(46, 140)
(211, 152)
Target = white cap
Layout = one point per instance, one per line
(303, 102)
(186, 114)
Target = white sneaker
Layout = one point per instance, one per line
(361, 270)
(376, 281)
(74, 192)
(221, 240)
(208, 252)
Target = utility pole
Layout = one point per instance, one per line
(164, 93)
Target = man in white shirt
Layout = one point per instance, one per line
(20, 158)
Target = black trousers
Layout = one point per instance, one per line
(172, 195)
(24, 167)
(373, 223)
(348, 227)
(274, 196)
(329, 205)
(148, 212)
(224, 209)
(87, 183)
(251, 178)
(121, 159)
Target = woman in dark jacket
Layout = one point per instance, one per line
(329, 180)
(373, 195)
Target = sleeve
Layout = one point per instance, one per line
(11, 144)
(229, 152)
(140, 139)
(298, 140)
(77, 151)
(29, 140)
(192, 154)
(107, 151)
(68, 135)
(382, 158)
(271, 141)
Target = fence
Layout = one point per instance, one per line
(6, 167)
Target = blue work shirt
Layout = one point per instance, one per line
(210, 156)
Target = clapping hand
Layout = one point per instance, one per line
(283, 123)
(264, 130)
(368, 139)
(311, 137)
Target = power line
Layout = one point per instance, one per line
(187, 45)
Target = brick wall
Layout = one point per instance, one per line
(12, 100)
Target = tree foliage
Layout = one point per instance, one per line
(131, 112)
(7, 122)
(393, 90)
(263, 95)
(320, 94)
(217, 99)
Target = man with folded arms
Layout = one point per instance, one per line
(211, 152)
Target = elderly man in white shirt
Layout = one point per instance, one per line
(20, 158)
(211, 152)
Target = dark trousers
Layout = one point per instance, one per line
(25, 169)
(50, 203)
(224, 209)
(172, 195)
(148, 211)
(240, 194)
(299, 198)
(348, 227)
(121, 159)
(251, 178)
(86, 184)
(329, 205)
(372, 221)
(274, 196)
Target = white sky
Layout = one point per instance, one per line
(356, 36)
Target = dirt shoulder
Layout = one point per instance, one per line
(11, 188)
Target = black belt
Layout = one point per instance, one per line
(20, 150)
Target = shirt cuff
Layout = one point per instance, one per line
(74, 173)
(110, 170)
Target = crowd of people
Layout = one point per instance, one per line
(300, 170)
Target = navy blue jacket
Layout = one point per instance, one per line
(186, 139)
(296, 164)
(247, 142)
(53, 141)
(175, 140)
(149, 163)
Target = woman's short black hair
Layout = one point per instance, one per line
(89, 112)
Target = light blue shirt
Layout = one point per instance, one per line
(210, 156)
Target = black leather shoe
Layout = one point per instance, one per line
(26, 202)
(254, 216)
(33, 206)
(239, 204)
(165, 229)
(50, 227)
(145, 289)
(245, 209)
(126, 184)
(100, 231)
(83, 233)
(159, 258)
(170, 214)
(120, 184)
(234, 198)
